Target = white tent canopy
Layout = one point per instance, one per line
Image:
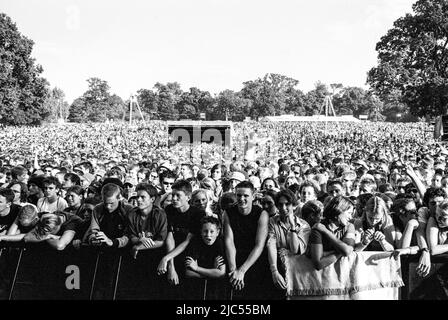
(318, 118)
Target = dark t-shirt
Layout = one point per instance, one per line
(72, 222)
(205, 254)
(181, 223)
(244, 229)
(8, 220)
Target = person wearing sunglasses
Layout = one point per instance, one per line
(167, 179)
(404, 216)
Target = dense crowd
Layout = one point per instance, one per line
(324, 190)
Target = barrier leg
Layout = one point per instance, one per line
(204, 296)
(11, 290)
(94, 276)
(117, 277)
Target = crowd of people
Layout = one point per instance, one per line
(324, 190)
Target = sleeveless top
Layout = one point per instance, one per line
(244, 229)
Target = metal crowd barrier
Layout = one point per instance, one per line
(36, 271)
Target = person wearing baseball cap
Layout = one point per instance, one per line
(235, 177)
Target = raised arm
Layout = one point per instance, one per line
(416, 180)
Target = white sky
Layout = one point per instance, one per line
(211, 44)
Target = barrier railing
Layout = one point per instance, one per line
(39, 272)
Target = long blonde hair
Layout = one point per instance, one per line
(376, 205)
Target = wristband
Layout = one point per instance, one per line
(365, 242)
(273, 268)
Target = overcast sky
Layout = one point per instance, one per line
(210, 44)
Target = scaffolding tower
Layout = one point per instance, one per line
(134, 102)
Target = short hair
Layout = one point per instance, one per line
(93, 201)
(288, 195)
(294, 188)
(28, 212)
(73, 177)
(149, 188)
(400, 204)
(334, 182)
(189, 166)
(167, 174)
(18, 171)
(110, 190)
(199, 191)
(115, 172)
(37, 180)
(369, 182)
(227, 200)
(312, 208)
(48, 223)
(336, 206)
(433, 193)
(212, 220)
(52, 180)
(183, 185)
(76, 189)
(246, 185)
(443, 206)
(311, 184)
(8, 194)
(223, 169)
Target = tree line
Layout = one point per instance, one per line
(410, 81)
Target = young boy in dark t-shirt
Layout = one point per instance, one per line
(205, 254)
(205, 259)
(183, 225)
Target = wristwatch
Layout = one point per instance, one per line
(295, 230)
(424, 249)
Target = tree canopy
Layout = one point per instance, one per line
(23, 91)
(413, 61)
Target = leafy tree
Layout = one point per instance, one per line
(193, 102)
(56, 105)
(315, 99)
(413, 59)
(97, 104)
(78, 111)
(269, 95)
(230, 105)
(168, 96)
(147, 100)
(295, 102)
(115, 107)
(22, 91)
